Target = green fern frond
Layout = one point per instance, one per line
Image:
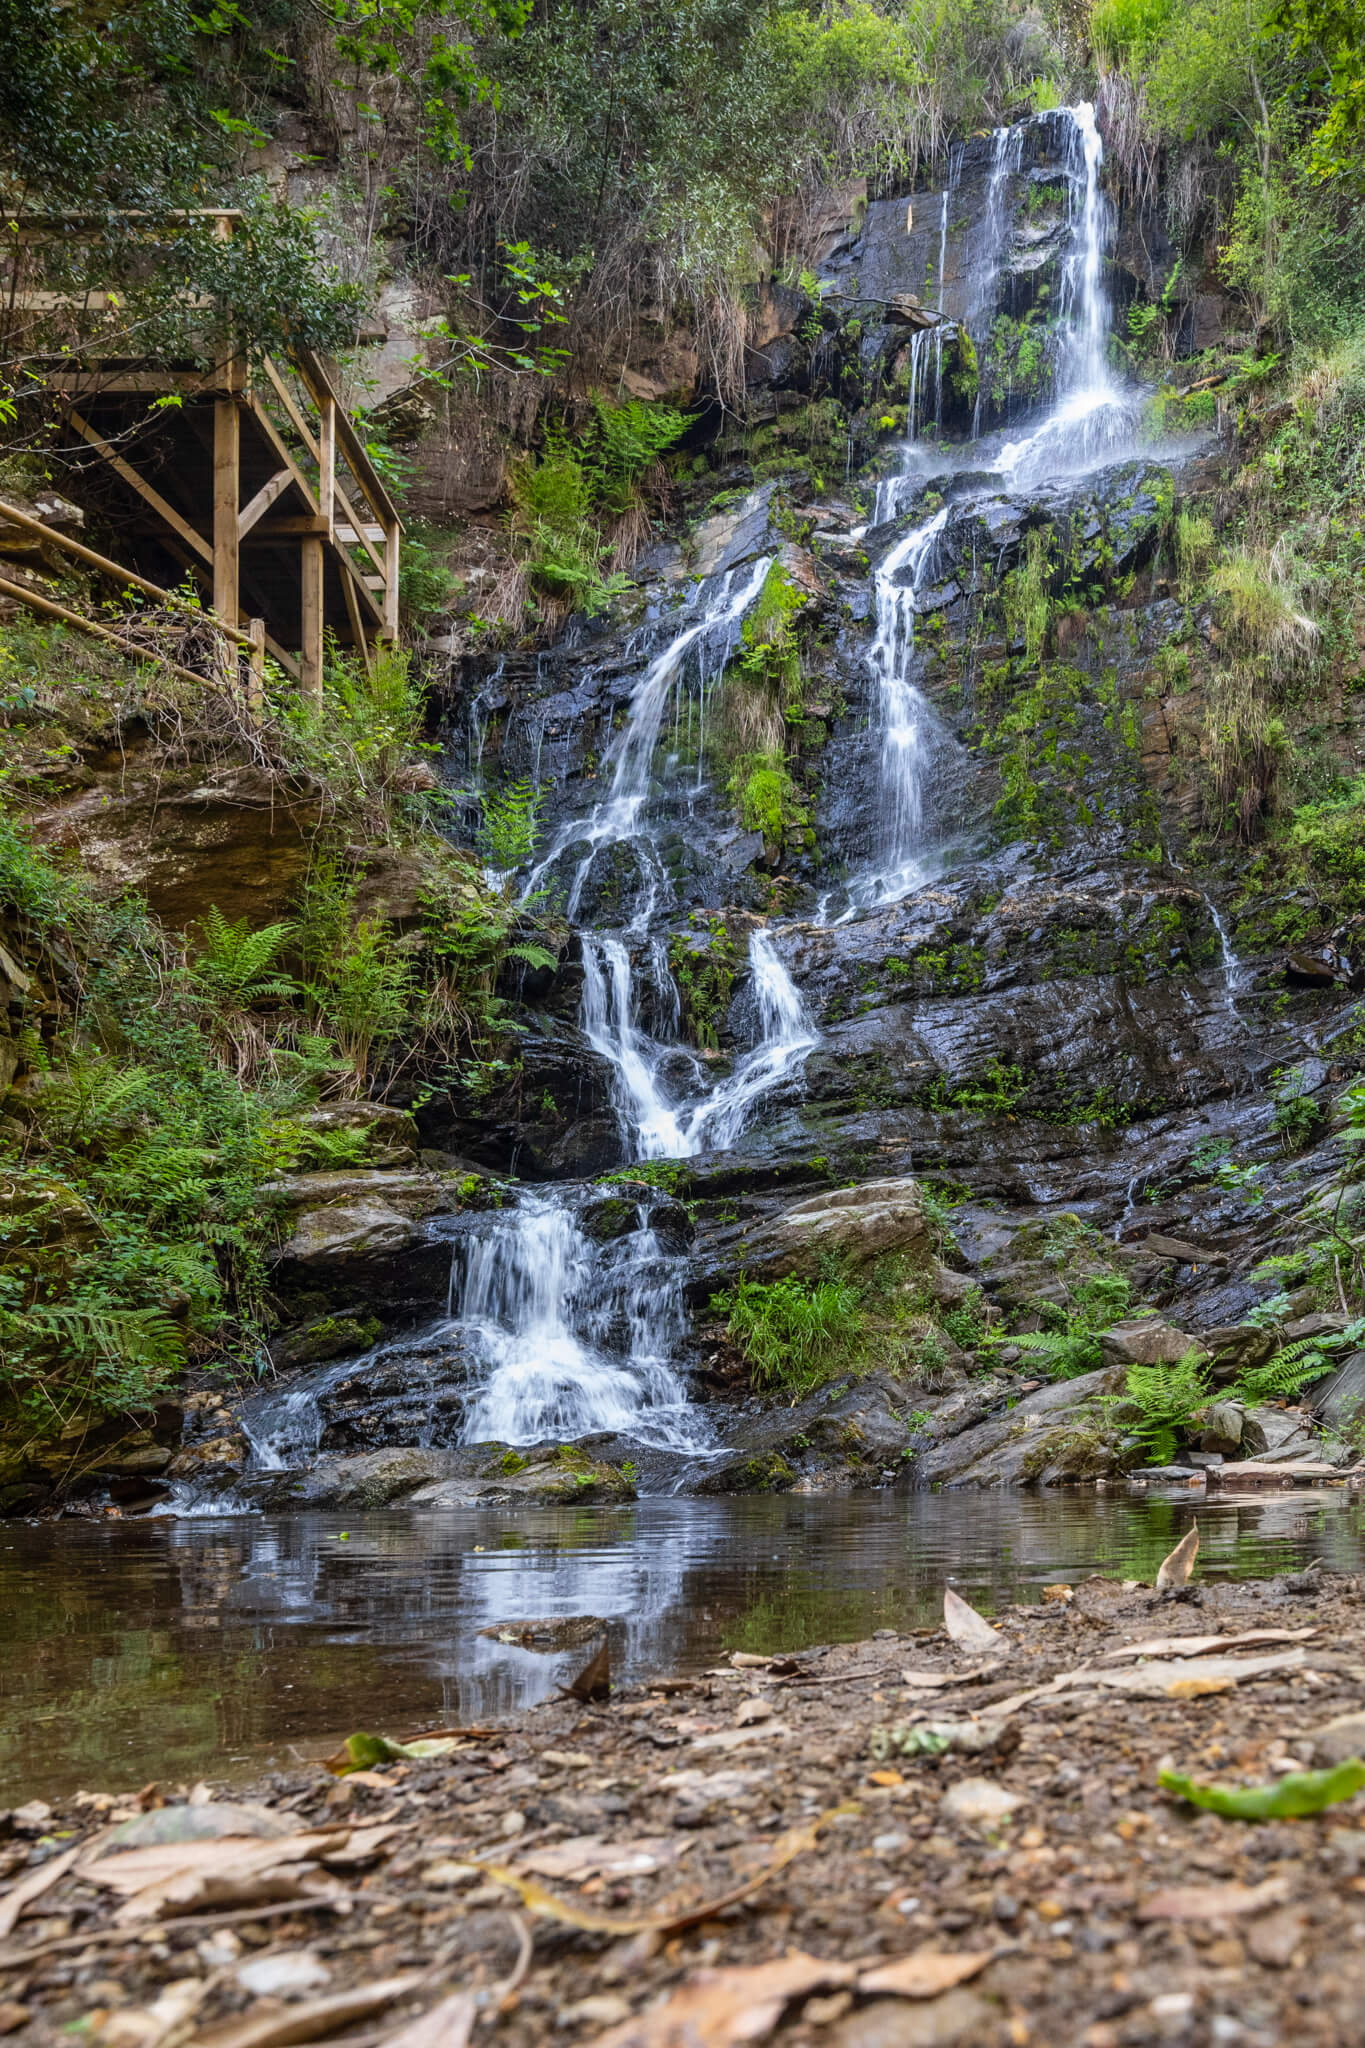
(1288, 1372)
(1061, 1354)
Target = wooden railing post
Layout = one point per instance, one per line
(327, 464)
(227, 439)
(391, 543)
(310, 661)
(255, 689)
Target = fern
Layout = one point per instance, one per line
(1167, 1398)
(1061, 1354)
(1292, 1369)
(134, 1343)
(237, 965)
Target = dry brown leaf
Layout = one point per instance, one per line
(970, 1629)
(447, 2025)
(321, 2016)
(926, 1974)
(930, 1681)
(34, 1885)
(722, 2008)
(593, 1681)
(362, 1846)
(1198, 1646)
(1212, 1901)
(1174, 1680)
(786, 1849)
(185, 1877)
(586, 1856)
(1175, 1569)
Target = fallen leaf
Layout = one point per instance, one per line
(33, 1886)
(1176, 1679)
(1059, 1595)
(930, 1681)
(1296, 1794)
(1175, 1569)
(145, 2026)
(185, 1877)
(1197, 1646)
(447, 2025)
(752, 1711)
(297, 1969)
(1212, 1901)
(970, 1629)
(361, 1752)
(786, 1849)
(593, 1681)
(736, 1738)
(291, 2023)
(721, 2008)
(362, 1846)
(197, 1822)
(586, 1856)
(924, 1975)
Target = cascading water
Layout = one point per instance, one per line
(1088, 420)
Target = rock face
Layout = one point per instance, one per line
(851, 1226)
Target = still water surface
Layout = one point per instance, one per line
(177, 1649)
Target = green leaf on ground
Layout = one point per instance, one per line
(1298, 1793)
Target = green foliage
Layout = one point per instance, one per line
(1166, 1399)
(239, 966)
(766, 799)
(703, 962)
(620, 446)
(1194, 543)
(510, 824)
(357, 737)
(1025, 595)
(1060, 1354)
(795, 1334)
(1289, 1798)
(995, 1092)
(427, 586)
(1016, 366)
(1297, 1365)
(1297, 1114)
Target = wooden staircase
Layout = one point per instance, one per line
(252, 481)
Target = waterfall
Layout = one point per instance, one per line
(653, 1126)
(574, 1345)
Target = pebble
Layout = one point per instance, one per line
(567, 1759)
(979, 1799)
(276, 1976)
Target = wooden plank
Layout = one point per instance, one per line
(144, 489)
(291, 527)
(227, 471)
(35, 600)
(12, 515)
(327, 464)
(392, 542)
(310, 661)
(256, 507)
(132, 383)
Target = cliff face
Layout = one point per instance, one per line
(889, 957)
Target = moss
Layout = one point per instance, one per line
(703, 962)
(510, 1462)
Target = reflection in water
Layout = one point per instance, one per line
(173, 1649)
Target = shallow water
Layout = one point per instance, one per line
(174, 1649)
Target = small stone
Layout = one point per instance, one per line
(566, 1759)
(754, 1710)
(1340, 1739)
(512, 1823)
(278, 1976)
(219, 1949)
(12, 2016)
(887, 1845)
(1274, 1941)
(979, 1799)
(822, 2012)
(32, 1818)
(1005, 1907)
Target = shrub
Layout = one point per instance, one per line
(1258, 606)
(510, 824)
(1024, 595)
(1166, 1399)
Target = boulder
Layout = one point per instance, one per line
(391, 1134)
(1338, 1401)
(855, 1225)
(1145, 1341)
(1235, 1348)
(349, 1230)
(1229, 1429)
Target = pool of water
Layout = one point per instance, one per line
(177, 1649)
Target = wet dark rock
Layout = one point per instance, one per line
(1146, 1341)
(1337, 1401)
(1049, 1438)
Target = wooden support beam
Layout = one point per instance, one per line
(227, 473)
(391, 547)
(36, 601)
(291, 527)
(256, 507)
(144, 490)
(287, 661)
(327, 464)
(310, 661)
(286, 398)
(88, 384)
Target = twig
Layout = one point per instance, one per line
(498, 2001)
(334, 1902)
